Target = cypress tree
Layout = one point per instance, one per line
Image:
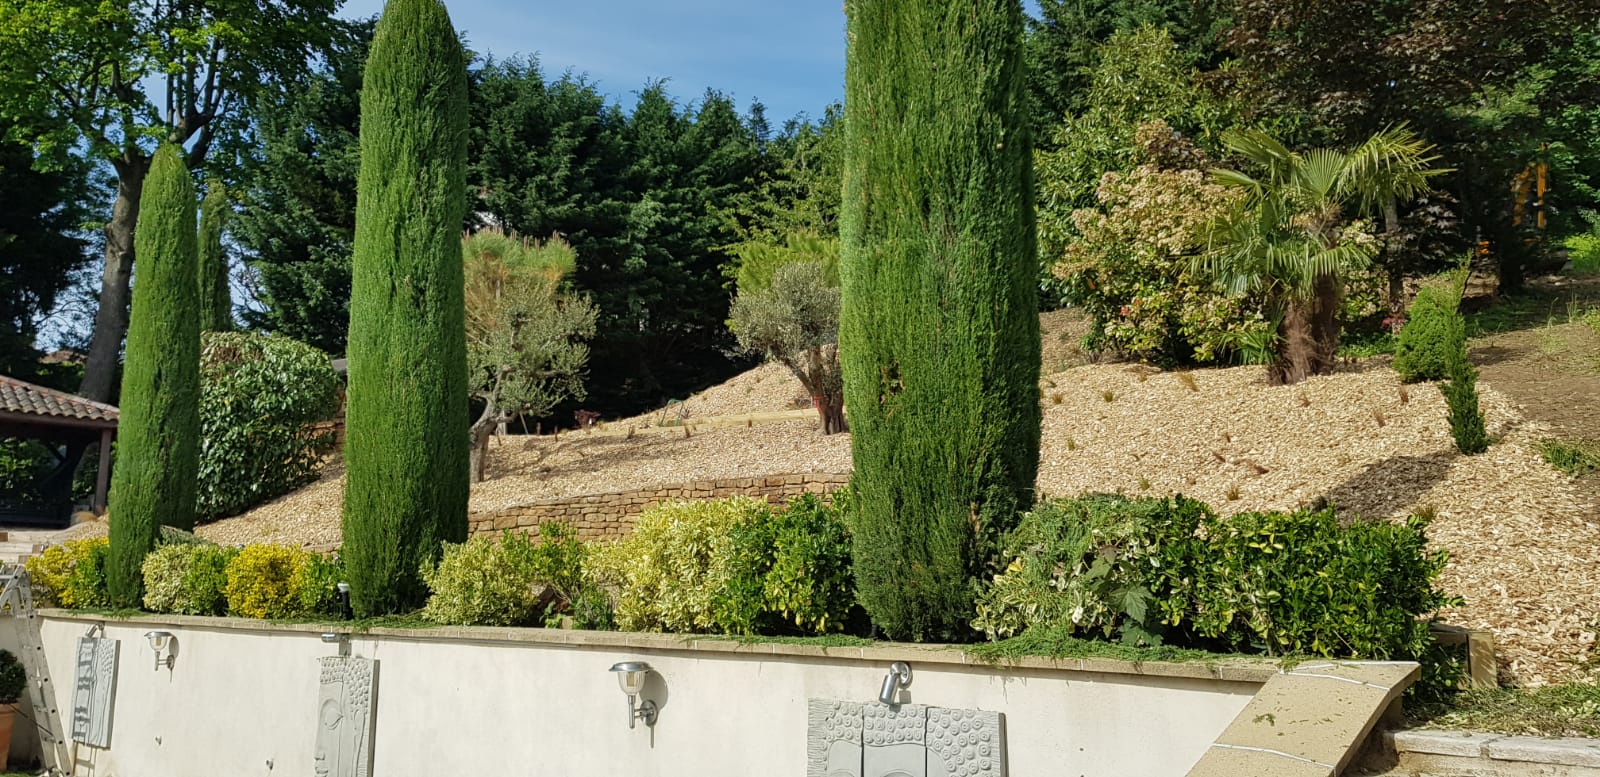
(158, 436)
(939, 326)
(406, 416)
(216, 302)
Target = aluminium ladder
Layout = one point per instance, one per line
(17, 598)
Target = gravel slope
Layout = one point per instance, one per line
(1525, 545)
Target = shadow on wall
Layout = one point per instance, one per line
(1392, 485)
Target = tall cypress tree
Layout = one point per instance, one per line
(216, 302)
(158, 437)
(939, 329)
(406, 417)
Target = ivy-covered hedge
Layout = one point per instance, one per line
(259, 396)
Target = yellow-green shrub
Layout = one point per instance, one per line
(667, 575)
(72, 574)
(187, 578)
(260, 581)
(316, 585)
(484, 582)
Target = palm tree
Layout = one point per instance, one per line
(1291, 239)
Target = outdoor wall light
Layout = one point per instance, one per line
(163, 642)
(631, 676)
(899, 677)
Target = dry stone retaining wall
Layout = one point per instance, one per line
(611, 515)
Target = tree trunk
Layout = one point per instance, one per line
(1391, 251)
(1297, 349)
(480, 432)
(111, 318)
(830, 406)
(1325, 324)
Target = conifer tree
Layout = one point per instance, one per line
(939, 323)
(216, 302)
(406, 416)
(159, 430)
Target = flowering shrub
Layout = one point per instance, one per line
(1129, 269)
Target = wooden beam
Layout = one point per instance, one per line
(102, 473)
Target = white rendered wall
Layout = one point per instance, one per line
(242, 702)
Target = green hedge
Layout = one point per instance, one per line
(259, 395)
(1155, 571)
(730, 566)
(515, 581)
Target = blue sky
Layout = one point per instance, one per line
(787, 53)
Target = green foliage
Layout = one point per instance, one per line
(259, 395)
(1301, 583)
(527, 337)
(406, 478)
(1465, 414)
(1068, 41)
(1129, 268)
(187, 578)
(1288, 241)
(1431, 337)
(13, 678)
(72, 574)
(316, 585)
(1141, 80)
(669, 573)
(23, 466)
(297, 220)
(1154, 571)
(261, 581)
(1575, 458)
(1583, 251)
(216, 301)
(513, 581)
(1100, 566)
(795, 322)
(755, 262)
(939, 331)
(41, 217)
(788, 571)
(158, 433)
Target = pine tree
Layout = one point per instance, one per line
(159, 431)
(939, 326)
(406, 417)
(216, 302)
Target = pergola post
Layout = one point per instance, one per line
(102, 473)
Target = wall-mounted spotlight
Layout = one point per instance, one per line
(163, 642)
(342, 640)
(899, 677)
(631, 676)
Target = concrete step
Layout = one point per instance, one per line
(13, 550)
(1433, 753)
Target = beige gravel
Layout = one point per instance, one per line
(1525, 547)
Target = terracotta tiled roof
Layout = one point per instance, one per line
(28, 399)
